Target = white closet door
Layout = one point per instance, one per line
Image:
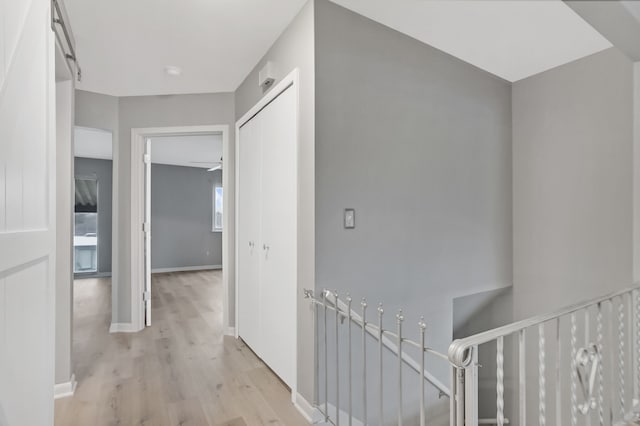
(279, 234)
(249, 250)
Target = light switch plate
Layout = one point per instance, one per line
(349, 218)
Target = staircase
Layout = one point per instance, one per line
(577, 366)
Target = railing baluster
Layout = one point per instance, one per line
(558, 387)
(423, 327)
(621, 389)
(600, 366)
(542, 380)
(587, 421)
(335, 294)
(631, 347)
(612, 367)
(636, 345)
(522, 376)
(399, 319)
(459, 396)
(380, 353)
(349, 365)
(316, 350)
(574, 372)
(326, 358)
(500, 380)
(364, 360)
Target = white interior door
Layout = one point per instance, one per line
(279, 234)
(27, 213)
(147, 233)
(248, 241)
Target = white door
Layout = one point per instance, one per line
(147, 233)
(279, 234)
(27, 213)
(248, 241)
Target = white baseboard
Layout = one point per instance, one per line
(185, 269)
(122, 327)
(230, 331)
(63, 390)
(308, 411)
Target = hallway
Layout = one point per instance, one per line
(180, 371)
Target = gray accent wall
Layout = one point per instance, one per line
(102, 171)
(294, 49)
(419, 143)
(573, 180)
(181, 217)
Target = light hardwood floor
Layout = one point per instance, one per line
(180, 371)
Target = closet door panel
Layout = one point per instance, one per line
(279, 234)
(249, 251)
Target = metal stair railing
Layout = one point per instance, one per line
(328, 304)
(591, 345)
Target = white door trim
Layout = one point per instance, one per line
(138, 137)
(291, 80)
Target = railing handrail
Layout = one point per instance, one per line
(459, 349)
(372, 330)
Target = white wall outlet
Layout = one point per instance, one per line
(349, 218)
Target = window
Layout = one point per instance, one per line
(85, 236)
(217, 209)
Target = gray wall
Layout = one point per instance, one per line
(120, 115)
(573, 166)
(101, 112)
(64, 230)
(181, 217)
(295, 49)
(573, 180)
(102, 171)
(157, 111)
(419, 143)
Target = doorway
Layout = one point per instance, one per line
(93, 206)
(169, 211)
(85, 226)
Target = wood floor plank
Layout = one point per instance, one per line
(180, 371)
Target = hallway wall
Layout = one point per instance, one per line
(573, 179)
(419, 143)
(120, 115)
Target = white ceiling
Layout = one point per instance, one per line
(201, 151)
(124, 45)
(189, 151)
(92, 143)
(511, 39)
